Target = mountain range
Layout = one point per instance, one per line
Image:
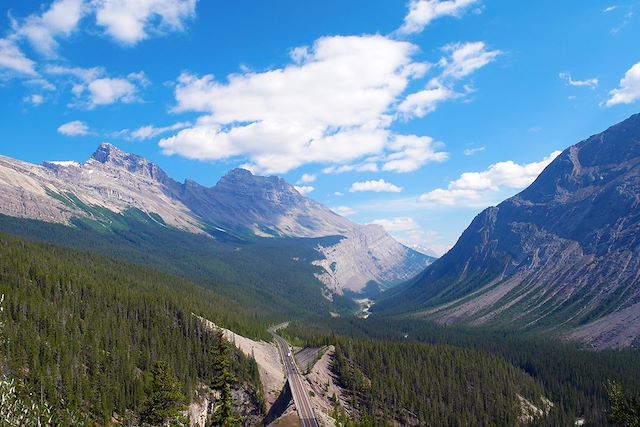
(563, 255)
(241, 206)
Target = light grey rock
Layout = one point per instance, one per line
(240, 203)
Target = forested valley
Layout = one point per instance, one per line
(84, 333)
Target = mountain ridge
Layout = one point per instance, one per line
(240, 205)
(562, 255)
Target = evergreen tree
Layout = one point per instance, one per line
(625, 409)
(165, 402)
(223, 414)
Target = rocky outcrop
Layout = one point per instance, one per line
(240, 204)
(563, 255)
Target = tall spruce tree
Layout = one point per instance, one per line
(625, 408)
(223, 414)
(165, 402)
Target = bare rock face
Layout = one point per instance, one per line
(241, 204)
(562, 255)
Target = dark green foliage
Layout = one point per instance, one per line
(625, 409)
(84, 331)
(223, 414)
(272, 276)
(432, 385)
(165, 401)
(574, 379)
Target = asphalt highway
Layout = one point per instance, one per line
(297, 385)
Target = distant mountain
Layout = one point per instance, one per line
(563, 255)
(240, 206)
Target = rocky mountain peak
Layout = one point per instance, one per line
(108, 154)
(563, 254)
(242, 183)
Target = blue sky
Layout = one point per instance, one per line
(415, 115)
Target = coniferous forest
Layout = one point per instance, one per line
(84, 333)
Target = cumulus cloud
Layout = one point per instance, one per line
(476, 188)
(410, 153)
(629, 89)
(74, 128)
(379, 186)
(12, 59)
(107, 91)
(344, 210)
(423, 102)
(356, 83)
(590, 83)
(307, 178)
(131, 21)
(92, 87)
(304, 189)
(267, 117)
(461, 60)
(423, 12)
(60, 20)
(35, 99)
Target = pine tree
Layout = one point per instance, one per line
(223, 414)
(625, 409)
(165, 402)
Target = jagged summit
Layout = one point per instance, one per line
(243, 179)
(109, 155)
(241, 204)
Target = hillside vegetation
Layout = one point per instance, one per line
(390, 351)
(84, 332)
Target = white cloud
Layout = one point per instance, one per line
(307, 178)
(84, 74)
(610, 8)
(14, 60)
(92, 87)
(357, 84)
(423, 12)
(590, 83)
(411, 152)
(397, 224)
(107, 91)
(150, 131)
(477, 188)
(361, 167)
(463, 59)
(338, 193)
(35, 99)
(408, 232)
(267, 117)
(379, 186)
(60, 20)
(423, 102)
(344, 210)
(471, 151)
(74, 128)
(131, 21)
(304, 189)
(629, 89)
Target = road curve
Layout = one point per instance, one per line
(297, 386)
